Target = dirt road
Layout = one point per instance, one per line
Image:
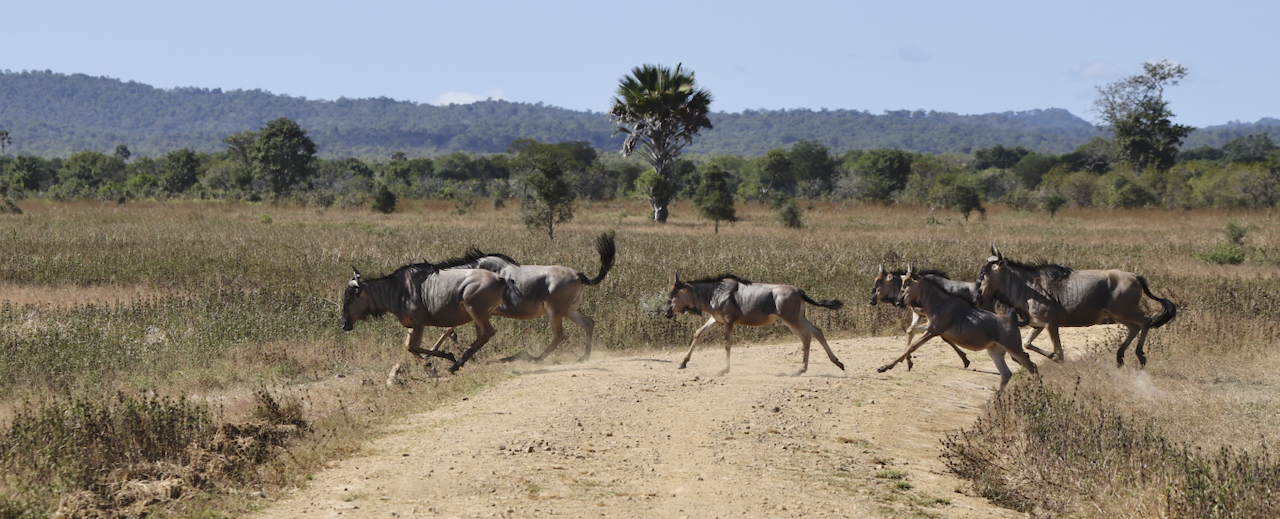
(636, 438)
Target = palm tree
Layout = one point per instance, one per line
(660, 110)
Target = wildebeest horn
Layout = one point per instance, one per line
(910, 269)
(355, 277)
(882, 268)
(676, 280)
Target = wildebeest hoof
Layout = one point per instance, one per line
(584, 358)
(883, 369)
(454, 368)
(722, 372)
(682, 364)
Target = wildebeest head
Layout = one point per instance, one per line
(355, 301)
(886, 287)
(909, 291)
(991, 277)
(680, 299)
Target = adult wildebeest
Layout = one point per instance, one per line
(1054, 296)
(732, 300)
(538, 290)
(887, 287)
(423, 294)
(962, 323)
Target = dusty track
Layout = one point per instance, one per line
(635, 437)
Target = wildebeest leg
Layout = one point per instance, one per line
(557, 334)
(923, 338)
(449, 332)
(963, 358)
(805, 338)
(484, 331)
(1142, 339)
(414, 342)
(701, 330)
(997, 356)
(588, 327)
(1058, 355)
(1133, 331)
(915, 327)
(1035, 332)
(817, 334)
(728, 345)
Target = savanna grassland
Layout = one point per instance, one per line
(179, 357)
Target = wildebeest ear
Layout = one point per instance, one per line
(355, 277)
(910, 270)
(676, 280)
(881, 268)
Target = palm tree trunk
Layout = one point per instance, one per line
(659, 209)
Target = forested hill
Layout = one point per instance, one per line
(51, 114)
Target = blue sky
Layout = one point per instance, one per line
(952, 56)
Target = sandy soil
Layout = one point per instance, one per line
(634, 437)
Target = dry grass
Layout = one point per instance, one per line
(218, 300)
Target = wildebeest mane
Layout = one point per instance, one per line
(925, 272)
(1052, 271)
(719, 278)
(942, 289)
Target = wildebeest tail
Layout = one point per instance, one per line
(1170, 310)
(607, 250)
(834, 304)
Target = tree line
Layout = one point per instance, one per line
(51, 114)
(660, 111)
(279, 162)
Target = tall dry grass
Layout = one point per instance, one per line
(217, 300)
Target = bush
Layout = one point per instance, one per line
(385, 200)
(1223, 254)
(788, 212)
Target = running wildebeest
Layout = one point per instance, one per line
(962, 323)
(1054, 296)
(887, 287)
(423, 294)
(732, 300)
(538, 290)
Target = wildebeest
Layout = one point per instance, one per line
(1054, 296)
(550, 290)
(960, 322)
(732, 300)
(423, 294)
(887, 287)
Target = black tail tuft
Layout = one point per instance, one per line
(608, 251)
(1170, 309)
(833, 304)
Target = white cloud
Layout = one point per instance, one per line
(913, 55)
(466, 98)
(1097, 70)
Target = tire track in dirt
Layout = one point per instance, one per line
(635, 437)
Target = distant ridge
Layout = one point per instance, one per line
(53, 114)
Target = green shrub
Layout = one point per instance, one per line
(788, 212)
(1223, 254)
(384, 201)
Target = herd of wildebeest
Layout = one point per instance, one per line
(1045, 296)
